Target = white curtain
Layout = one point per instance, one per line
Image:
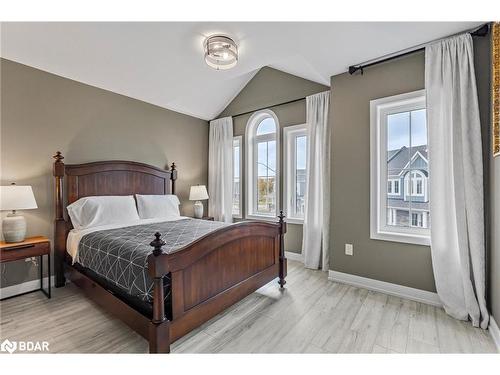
(315, 245)
(220, 169)
(456, 179)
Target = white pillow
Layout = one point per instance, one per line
(158, 206)
(90, 212)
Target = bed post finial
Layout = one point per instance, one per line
(157, 243)
(58, 156)
(282, 259)
(173, 176)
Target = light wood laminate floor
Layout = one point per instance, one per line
(313, 315)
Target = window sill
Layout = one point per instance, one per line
(273, 219)
(412, 239)
(292, 220)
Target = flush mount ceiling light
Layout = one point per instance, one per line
(221, 52)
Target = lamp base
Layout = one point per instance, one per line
(198, 210)
(14, 228)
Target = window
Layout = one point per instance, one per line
(393, 187)
(237, 176)
(396, 186)
(295, 143)
(262, 165)
(417, 220)
(400, 169)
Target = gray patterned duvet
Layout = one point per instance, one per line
(119, 256)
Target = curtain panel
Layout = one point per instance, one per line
(315, 243)
(456, 179)
(220, 169)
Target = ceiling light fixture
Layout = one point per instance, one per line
(221, 52)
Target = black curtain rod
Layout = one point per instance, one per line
(482, 31)
(269, 106)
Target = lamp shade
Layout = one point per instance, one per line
(198, 193)
(14, 197)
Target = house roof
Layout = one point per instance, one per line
(398, 159)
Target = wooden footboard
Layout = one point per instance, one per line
(216, 271)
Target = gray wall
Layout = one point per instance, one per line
(398, 263)
(270, 86)
(393, 262)
(42, 113)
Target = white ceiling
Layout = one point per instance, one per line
(162, 63)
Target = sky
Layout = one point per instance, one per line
(266, 151)
(398, 129)
(236, 161)
(301, 143)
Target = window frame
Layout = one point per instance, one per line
(250, 161)
(290, 134)
(379, 109)
(239, 139)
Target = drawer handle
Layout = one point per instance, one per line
(19, 247)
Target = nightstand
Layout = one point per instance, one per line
(30, 247)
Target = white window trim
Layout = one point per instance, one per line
(251, 177)
(379, 109)
(239, 139)
(289, 134)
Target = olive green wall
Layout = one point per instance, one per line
(393, 262)
(270, 86)
(42, 113)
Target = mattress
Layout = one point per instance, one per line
(117, 257)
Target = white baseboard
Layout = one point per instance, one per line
(494, 332)
(28, 286)
(413, 294)
(299, 257)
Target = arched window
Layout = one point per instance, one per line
(262, 187)
(416, 184)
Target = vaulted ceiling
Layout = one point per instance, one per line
(162, 63)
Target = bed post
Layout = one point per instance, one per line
(60, 227)
(173, 176)
(159, 329)
(282, 259)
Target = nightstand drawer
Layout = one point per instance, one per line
(24, 250)
(30, 247)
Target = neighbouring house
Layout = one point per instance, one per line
(408, 187)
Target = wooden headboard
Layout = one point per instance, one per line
(113, 177)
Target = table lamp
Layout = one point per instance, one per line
(198, 193)
(14, 197)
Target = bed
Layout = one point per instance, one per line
(179, 273)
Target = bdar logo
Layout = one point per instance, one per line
(8, 346)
